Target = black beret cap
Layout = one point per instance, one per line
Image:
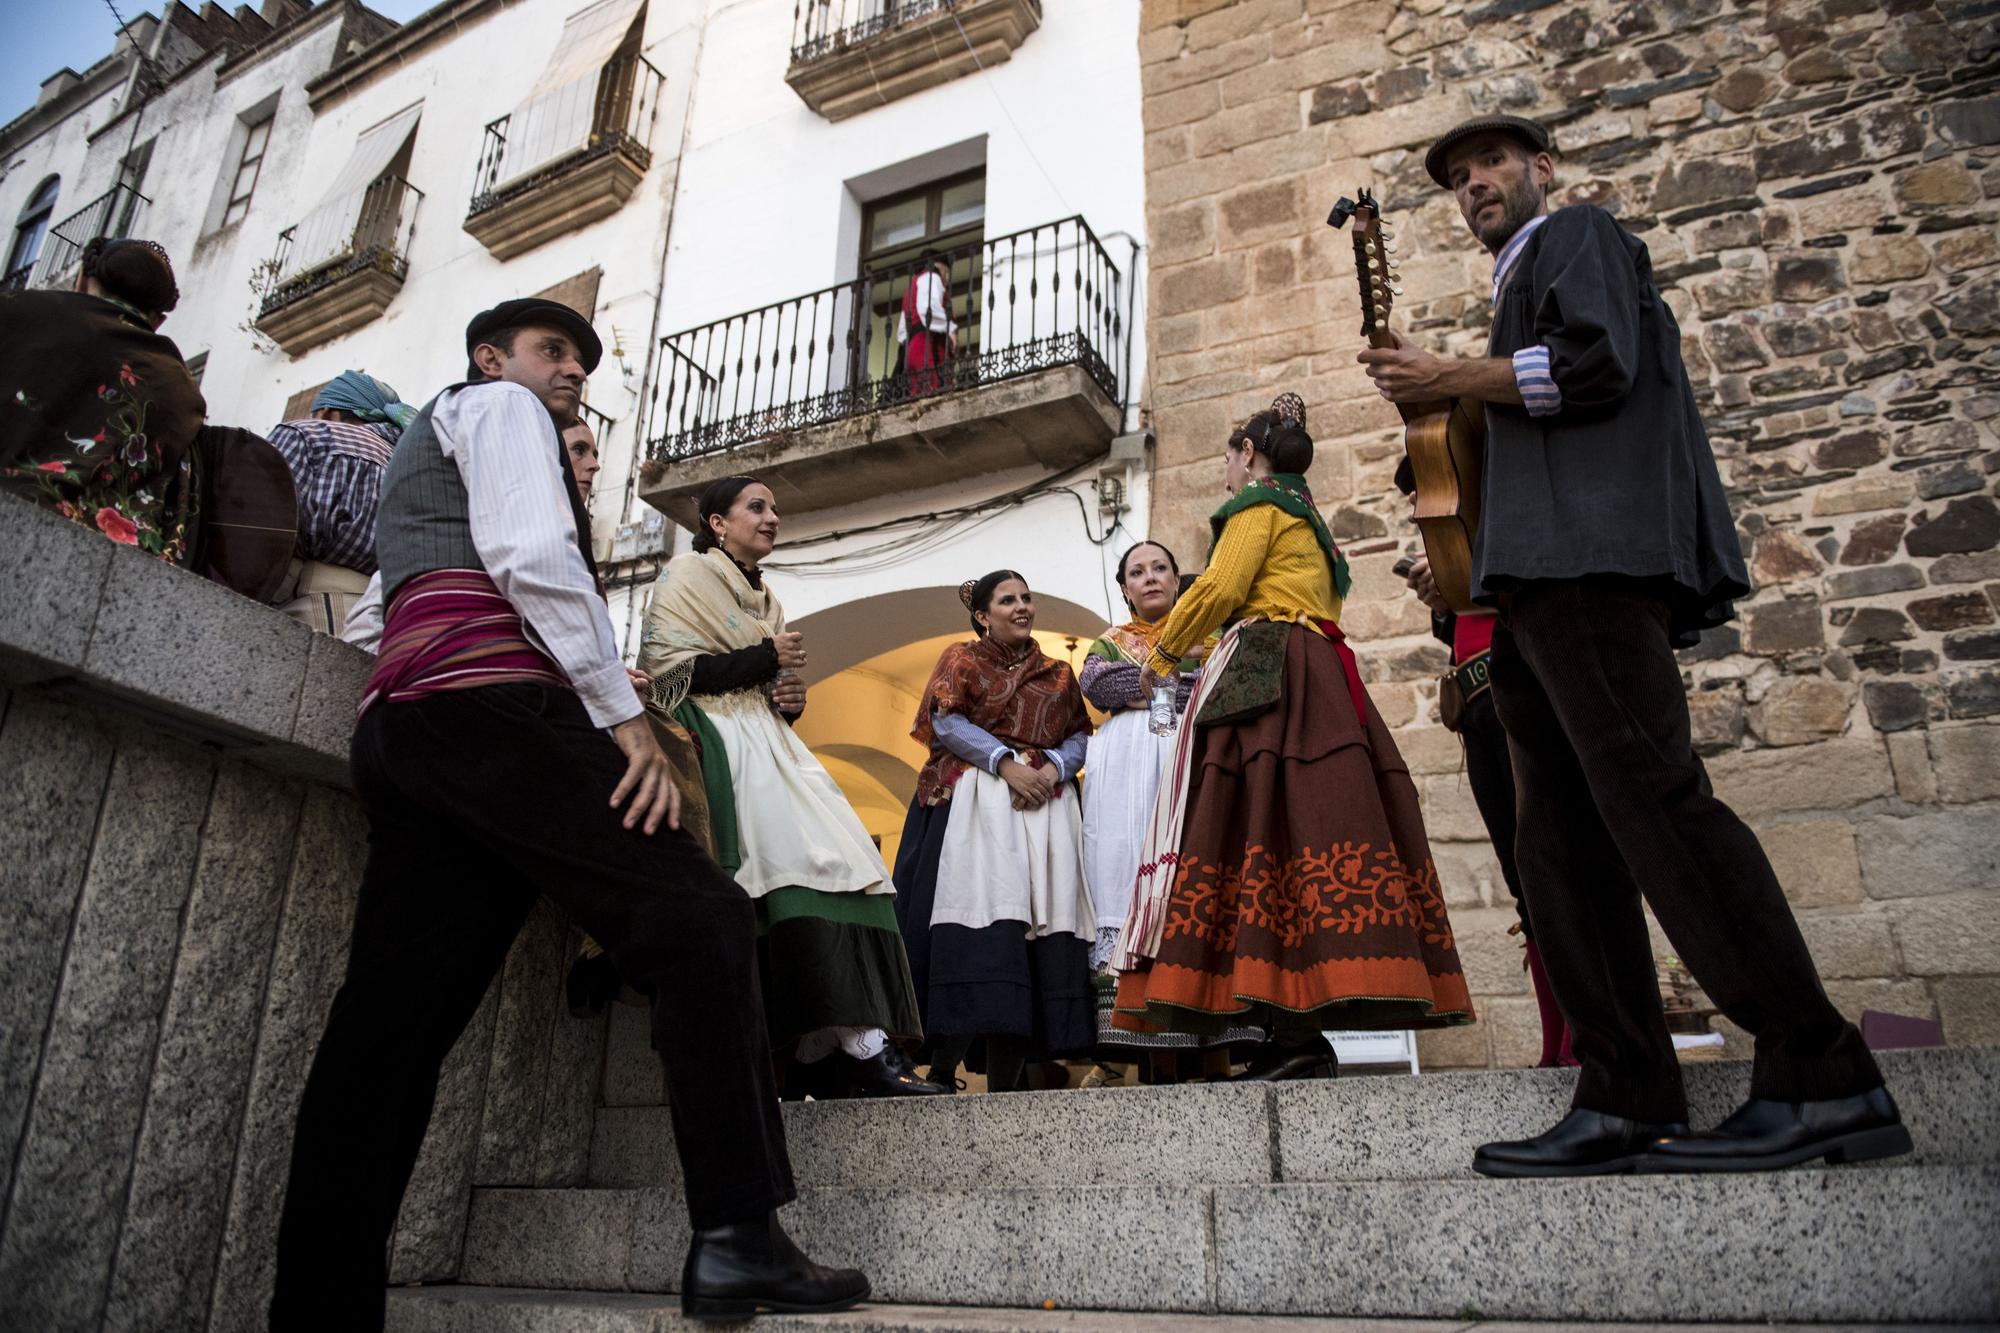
(1518, 127)
(527, 310)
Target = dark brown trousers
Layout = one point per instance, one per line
(1614, 805)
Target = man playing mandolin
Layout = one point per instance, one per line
(1605, 542)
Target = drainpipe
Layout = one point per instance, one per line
(648, 390)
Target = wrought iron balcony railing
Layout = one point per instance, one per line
(823, 27)
(110, 214)
(566, 132)
(16, 279)
(1045, 297)
(338, 240)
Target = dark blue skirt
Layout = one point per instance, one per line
(991, 981)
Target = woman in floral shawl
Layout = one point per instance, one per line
(990, 888)
(98, 413)
(836, 983)
(1286, 879)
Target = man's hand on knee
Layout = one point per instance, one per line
(648, 780)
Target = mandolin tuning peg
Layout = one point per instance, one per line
(1396, 287)
(1390, 246)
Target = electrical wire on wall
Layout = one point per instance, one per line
(918, 535)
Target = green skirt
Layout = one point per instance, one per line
(825, 959)
(833, 960)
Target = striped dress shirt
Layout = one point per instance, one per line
(506, 450)
(1539, 393)
(337, 472)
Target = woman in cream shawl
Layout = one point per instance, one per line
(724, 665)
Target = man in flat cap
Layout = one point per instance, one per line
(501, 753)
(1605, 542)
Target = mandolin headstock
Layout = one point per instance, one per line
(1374, 270)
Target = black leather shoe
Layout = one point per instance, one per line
(1763, 1135)
(887, 1074)
(1279, 1064)
(747, 1268)
(1582, 1143)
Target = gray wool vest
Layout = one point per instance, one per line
(424, 523)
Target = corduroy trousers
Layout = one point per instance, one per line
(1614, 805)
(478, 801)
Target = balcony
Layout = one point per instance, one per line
(110, 214)
(565, 160)
(851, 55)
(811, 395)
(339, 267)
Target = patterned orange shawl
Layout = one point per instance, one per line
(1021, 695)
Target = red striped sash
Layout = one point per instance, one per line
(452, 630)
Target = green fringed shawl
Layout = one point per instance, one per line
(1288, 491)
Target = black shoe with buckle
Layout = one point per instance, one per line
(744, 1269)
(1764, 1135)
(1582, 1143)
(888, 1074)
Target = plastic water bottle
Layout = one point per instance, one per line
(1160, 712)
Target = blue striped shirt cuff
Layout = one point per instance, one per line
(1539, 393)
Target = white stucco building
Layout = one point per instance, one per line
(737, 193)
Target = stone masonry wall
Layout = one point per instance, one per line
(1818, 185)
(178, 864)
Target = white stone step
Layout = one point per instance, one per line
(1910, 1243)
(1387, 1127)
(520, 1310)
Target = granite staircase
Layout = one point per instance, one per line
(1197, 1205)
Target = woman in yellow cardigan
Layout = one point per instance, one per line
(1287, 880)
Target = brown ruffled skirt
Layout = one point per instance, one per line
(1306, 898)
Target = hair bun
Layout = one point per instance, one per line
(965, 592)
(1290, 409)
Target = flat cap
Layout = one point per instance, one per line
(535, 310)
(1518, 127)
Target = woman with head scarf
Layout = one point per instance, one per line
(989, 877)
(1286, 880)
(337, 457)
(1127, 755)
(98, 414)
(836, 984)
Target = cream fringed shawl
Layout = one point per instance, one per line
(794, 826)
(701, 605)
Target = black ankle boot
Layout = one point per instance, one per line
(740, 1270)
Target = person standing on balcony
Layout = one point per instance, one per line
(1605, 542)
(926, 329)
(836, 982)
(98, 413)
(990, 882)
(1127, 755)
(502, 753)
(1287, 879)
(337, 455)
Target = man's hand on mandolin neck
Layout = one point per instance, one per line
(1406, 373)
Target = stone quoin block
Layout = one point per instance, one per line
(1948, 852)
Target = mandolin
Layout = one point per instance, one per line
(1444, 439)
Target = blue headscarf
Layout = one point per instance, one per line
(365, 398)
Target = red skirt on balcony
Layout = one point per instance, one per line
(926, 359)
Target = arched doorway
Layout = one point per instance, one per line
(868, 662)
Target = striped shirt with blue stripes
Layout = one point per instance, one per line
(1539, 393)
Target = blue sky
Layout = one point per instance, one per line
(42, 36)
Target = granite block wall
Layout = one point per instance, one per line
(178, 868)
(1818, 183)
